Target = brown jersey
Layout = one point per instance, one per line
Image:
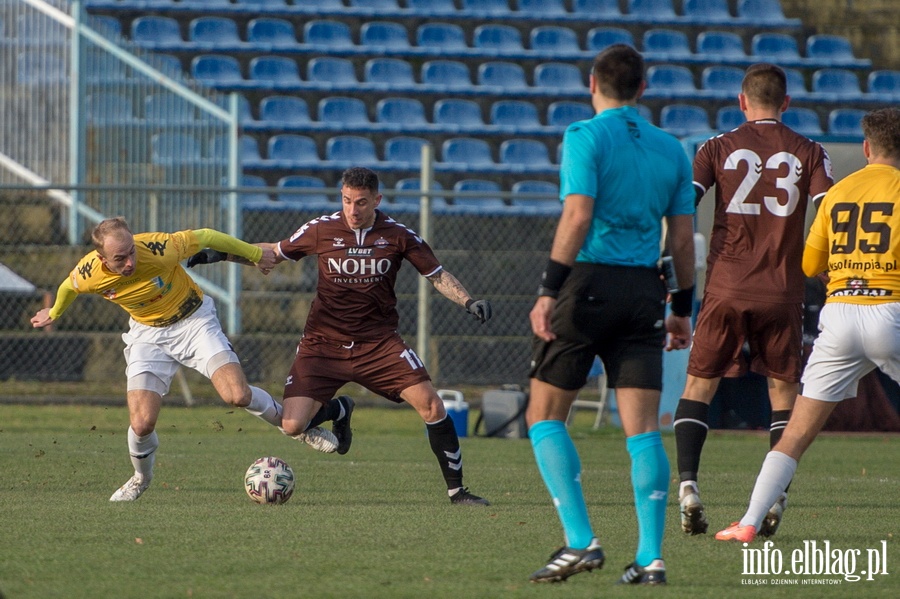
(765, 174)
(355, 297)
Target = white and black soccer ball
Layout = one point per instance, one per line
(269, 480)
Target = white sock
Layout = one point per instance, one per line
(263, 406)
(775, 475)
(143, 453)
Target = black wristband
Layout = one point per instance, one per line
(469, 302)
(553, 278)
(683, 302)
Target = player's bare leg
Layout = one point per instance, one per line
(296, 422)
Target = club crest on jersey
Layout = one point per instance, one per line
(360, 251)
(338, 242)
(381, 241)
(156, 246)
(158, 281)
(110, 294)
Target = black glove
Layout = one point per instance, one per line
(481, 309)
(206, 256)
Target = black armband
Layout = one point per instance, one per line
(553, 278)
(683, 302)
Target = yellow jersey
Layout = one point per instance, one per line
(159, 292)
(856, 238)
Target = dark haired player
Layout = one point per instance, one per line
(351, 331)
(765, 174)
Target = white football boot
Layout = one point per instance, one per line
(319, 439)
(132, 489)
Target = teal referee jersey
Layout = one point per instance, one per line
(636, 173)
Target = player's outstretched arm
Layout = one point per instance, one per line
(65, 295)
(450, 287)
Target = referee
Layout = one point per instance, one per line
(601, 295)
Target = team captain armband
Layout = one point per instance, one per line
(683, 302)
(553, 278)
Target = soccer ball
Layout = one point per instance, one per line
(269, 480)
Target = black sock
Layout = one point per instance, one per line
(776, 428)
(691, 426)
(445, 445)
(331, 410)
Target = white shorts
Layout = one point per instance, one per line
(853, 340)
(192, 342)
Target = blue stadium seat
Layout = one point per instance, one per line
(846, 122)
(404, 151)
(707, 11)
(796, 84)
(666, 44)
(248, 151)
(836, 84)
(484, 203)
(328, 69)
(346, 112)
(384, 34)
(287, 150)
(351, 149)
(563, 114)
(729, 117)
(468, 153)
(484, 7)
(542, 8)
(455, 113)
(538, 206)
(804, 121)
(271, 31)
(165, 106)
(109, 26)
(376, 6)
(525, 155)
(833, 48)
(775, 47)
(175, 149)
(505, 38)
(108, 107)
(393, 73)
(682, 120)
(559, 76)
(597, 9)
(441, 36)
(156, 32)
(450, 74)
(166, 64)
(411, 203)
(653, 11)
(721, 44)
(667, 80)
(725, 82)
(599, 38)
(761, 11)
(431, 8)
(286, 110)
(554, 39)
(251, 199)
(517, 114)
(214, 32)
(275, 69)
(216, 70)
(323, 32)
(508, 75)
(311, 200)
(405, 112)
(276, 4)
(884, 83)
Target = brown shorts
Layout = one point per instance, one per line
(773, 333)
(385, 367)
